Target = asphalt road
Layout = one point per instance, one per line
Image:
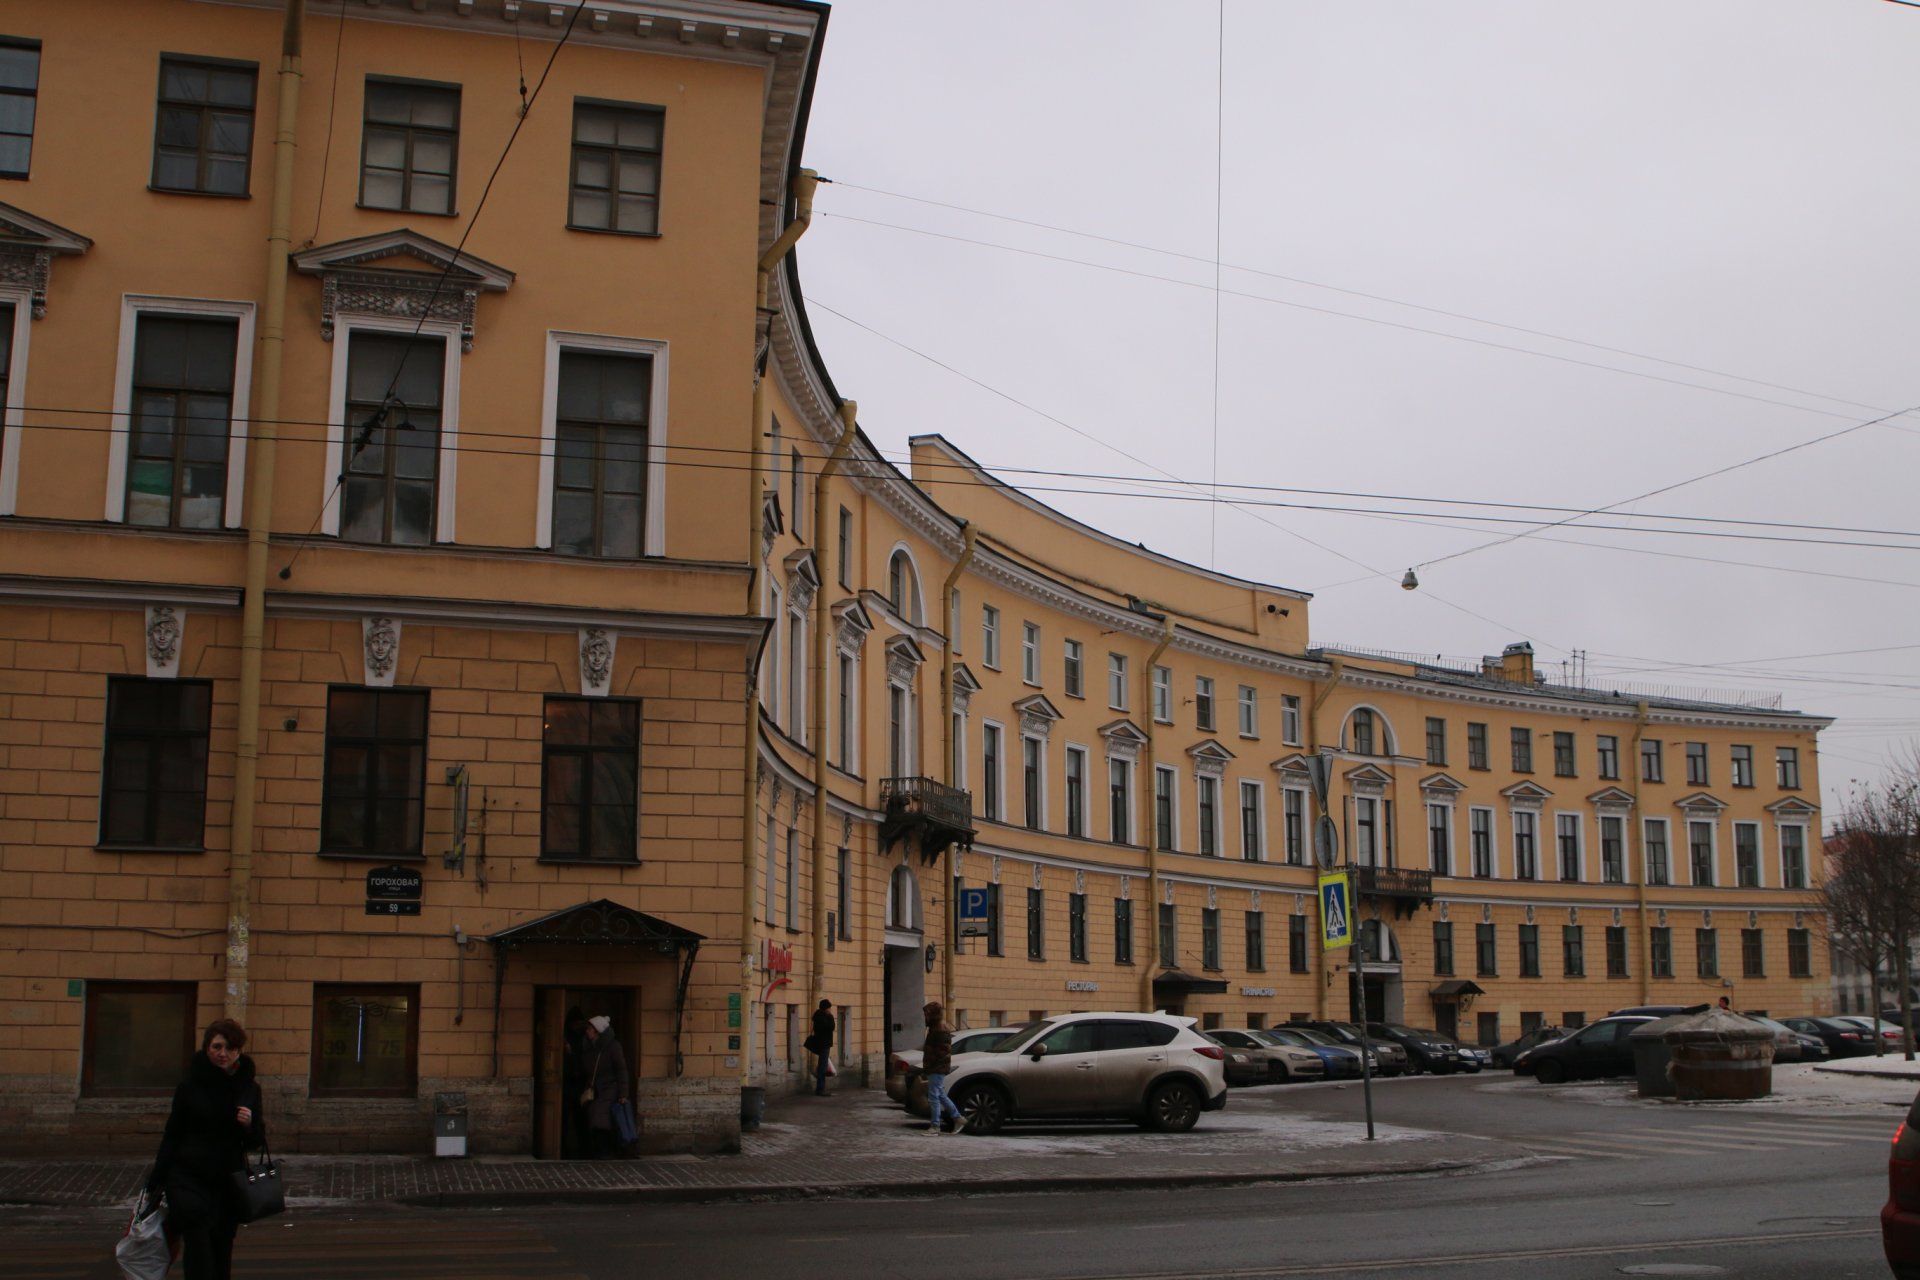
(1742, 1191)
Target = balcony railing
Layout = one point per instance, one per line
(1405, 889)
(931, 814)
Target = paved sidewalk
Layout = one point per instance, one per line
(856, 1143)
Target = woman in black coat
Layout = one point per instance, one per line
(215, 1121)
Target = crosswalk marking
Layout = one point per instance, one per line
(1738, 1135)
(1728, 1141)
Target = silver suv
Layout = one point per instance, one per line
(1149, 1067)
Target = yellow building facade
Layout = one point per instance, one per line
(588, 659)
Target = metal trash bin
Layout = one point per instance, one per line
(450, 1124)
(1652, 1057)
(1720, 1057)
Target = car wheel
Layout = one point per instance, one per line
(1280, 1073)
(1550, 1072)
(1173, 1107)
(984, 1108)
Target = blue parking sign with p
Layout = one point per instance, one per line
(1336, 911)
(973, 913)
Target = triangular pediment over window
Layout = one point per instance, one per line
(850, 615)
(1037, 705)
(1367, 775)
(1442, 782)
(964, 680)
(1123, 730)
(400, 274)
(28, 246)
(903, 649)
(1700, 801)
(1611, 798)
(1294, 766)
(1528, 791)
(1209, 750)
(1792, 807)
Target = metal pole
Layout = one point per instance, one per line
(1366, 1041)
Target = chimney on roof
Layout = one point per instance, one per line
(1515, 664)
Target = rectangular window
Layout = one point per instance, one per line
(600, 453)
(1030, 652)
(1076, 791)
(1486, 953)
(1613, 858)
(182, 401)
(1616, 951)
(1249, 703)
(1203, 703)
(1531, 1022)
(843, 711)
(153, 791)
(1256, 941)
(1074, 677)
(1482, 821)
(138, 1036)
(376, 772)
(844, 561)
(1697, 764)
(796, 501)
(1032, 785)
(1489, 1028)
(1163, 694)
(1077, 927)
(990, 636)
(1169, 935)
(996, 922)
(1700, 851)
(990, 772)
(1706, 945)
(1652, 763)
(1443, 948)
(1529, 950)
(1120, 801)
(203, 126)
(1522, 740)
(1293, 804)
(1477, 756)
(1296, 944)
(1746, 854)
(1563, 761)
(1440, 838)
(1164, 782)
(1290, 719)
(1209, 793)
(615, 183)
(1253, 825)
(590, 770)
(1753, 953)
(1742, 765)
(1786, 766)
(797, 675)
(408, 145)
(1567, 831)
(1607, 749)
(1573, 950)
(1526, 854)
(365, 1041)
(1210, 938)
(393, 449)
(793, 877)
(900, 742)
(1793, 857)
(1436, 740)
(843, 894)
(1366, 831)
(772, 895)
(1122, 931)
(1117, 681)
(1799, 953)
(1658, 866)
(19, 93)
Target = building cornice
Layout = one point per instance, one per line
(94, 593)
(509, 613)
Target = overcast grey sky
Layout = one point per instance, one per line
(1726, 184)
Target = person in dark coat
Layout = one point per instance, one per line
(820, 1043)
(215, 1120)
(606, 1085)
(936, 1059)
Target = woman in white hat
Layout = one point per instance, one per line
(606, 1085)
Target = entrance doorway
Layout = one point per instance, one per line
(558, 1130)
(906, 996)
(1446, 1019)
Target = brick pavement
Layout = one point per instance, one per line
(853, 1144)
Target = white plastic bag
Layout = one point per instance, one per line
(831, 1069)
(143, 1253)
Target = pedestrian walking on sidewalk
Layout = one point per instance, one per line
(606, 1085)
(936, 1059)
(215, 1120)
(820, 1045)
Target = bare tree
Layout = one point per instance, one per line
(1872, 892)
(1850, 916)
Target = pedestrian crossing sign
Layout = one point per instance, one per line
(1336, 911)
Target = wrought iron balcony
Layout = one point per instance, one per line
(1403, 888)
(931, 814)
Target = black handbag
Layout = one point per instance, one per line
(257, 1190)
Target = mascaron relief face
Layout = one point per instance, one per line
(163, 636)
(383, 644)
(596, 658)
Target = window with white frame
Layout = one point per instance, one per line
(845, 711)
(1700, 851)
(960, 749)
(1613, 850)
(1742, 764)
(1033, 782)
(1366, 831)
(14, 311)
(1119, 800)
(393, 423)
(1203, 702)
(990, 636)
(1480, 824)
(1209, 801)
(1117, 681)
(900, 731)
(770, 664)
(1290, 719)
(1567, 838)
(1746, 855)
(600, 453)
(1526, 845)
(991, 746)
(1253, 822)
(1654, 840)
(1163, 695)
(1440, 838)
(1793, 856)
(1293, 809)
(1074, 675)
(1786, 765)
(1249, 711)
(1030, 652)
(1166, 815)
(1077, 791)
(797, 674)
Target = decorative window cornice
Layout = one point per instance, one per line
(357, 278)
(28, 246)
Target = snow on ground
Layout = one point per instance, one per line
(1797, 1088)
(1892, 1065)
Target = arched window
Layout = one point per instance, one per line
(1362, 734)
(903, 586)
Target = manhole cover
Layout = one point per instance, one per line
(1673, 1269)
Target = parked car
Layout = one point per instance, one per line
(1843, 1039)
(1475, 1058)
(1252, 1058)
(1900, 1216)
(1504, 1055)
(1392, 1058)
(1790, 1045)
(1343, 1063)
(1149, 1067)
(903, 1066)
(1659, 1010)
(1427, 1049)
(1891, 1033)
(1597, 1049)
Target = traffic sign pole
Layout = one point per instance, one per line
(1366, 1044)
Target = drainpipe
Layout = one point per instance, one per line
(818, 700)
(1640, 881)
(263, 432)
(969, 537)
(803, 187)
(1335, 676)
(1147, 783)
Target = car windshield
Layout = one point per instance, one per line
(1017, 1036)
(1291, 1039)
(1417, 1033)
(1315, 1037)
(979, 1041)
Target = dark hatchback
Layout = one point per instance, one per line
(1390, 1059)
(1843, 1039)
(1504, 1055)
(1599, 1049)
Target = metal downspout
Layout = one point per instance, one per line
(263, 432)
(1320, 696)
(817, 701)
(1146, 785)
(1640, 881)
(969, 538)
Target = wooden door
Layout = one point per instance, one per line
(549, 1055)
